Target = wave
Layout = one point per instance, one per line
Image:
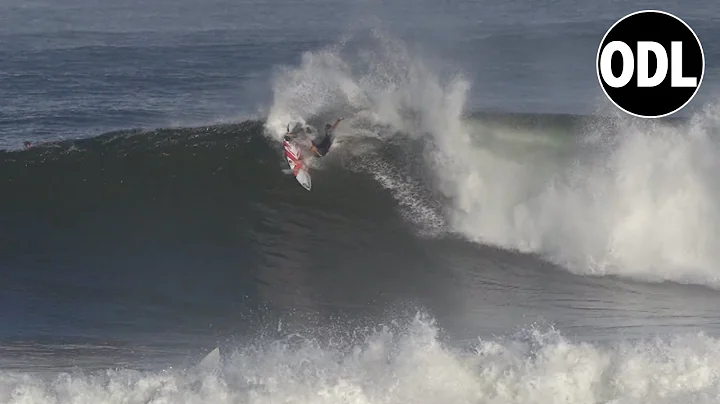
(617, 196)
(601, 195)
(406, 361)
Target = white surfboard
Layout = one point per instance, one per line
(297, 165)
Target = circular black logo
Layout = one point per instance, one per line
(650, 64)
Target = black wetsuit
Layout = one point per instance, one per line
(324, 146)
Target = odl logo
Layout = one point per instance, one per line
(650, 64)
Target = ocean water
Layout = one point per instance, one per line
(488, 227)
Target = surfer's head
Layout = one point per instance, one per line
(308, 130)
(328, 126)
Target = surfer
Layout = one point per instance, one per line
(323, 147)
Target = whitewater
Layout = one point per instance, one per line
(406, 363)
(620, 196)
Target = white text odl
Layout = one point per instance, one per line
(643, 51)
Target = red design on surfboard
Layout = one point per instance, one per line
(294, 158)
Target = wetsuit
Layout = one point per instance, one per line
(324, 146)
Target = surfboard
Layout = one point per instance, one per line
(298, 167)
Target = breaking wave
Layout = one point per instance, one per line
(405, 361)
(612, 195)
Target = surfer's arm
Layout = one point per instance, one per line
(337, 123)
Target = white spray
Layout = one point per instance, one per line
(407, 363)
(642, 203)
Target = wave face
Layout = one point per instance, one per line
(597, 196)
(603, 196)
(407, 362)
